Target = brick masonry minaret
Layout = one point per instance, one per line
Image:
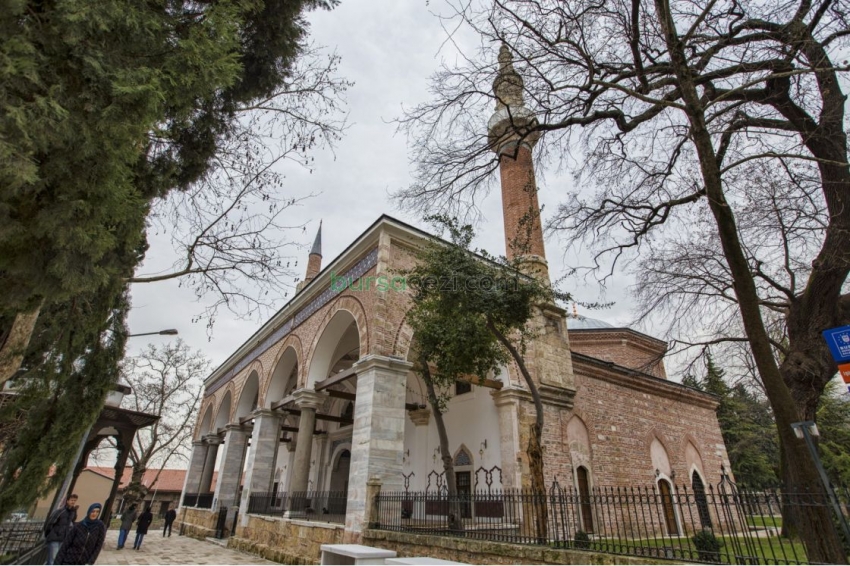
(511, 136)
(314, 262)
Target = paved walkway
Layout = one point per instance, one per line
(175, 549)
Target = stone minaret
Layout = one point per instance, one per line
(509, 137)
(314, 262)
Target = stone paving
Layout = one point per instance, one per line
(175, 549)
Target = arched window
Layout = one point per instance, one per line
(701, 500)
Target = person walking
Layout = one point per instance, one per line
(58, 525)
(170, 515)
(145, 520)
(85, 539)
(127, 520)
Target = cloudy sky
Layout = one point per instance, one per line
(389, 48)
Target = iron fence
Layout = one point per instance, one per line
(198, 500)
(317, 506)
(721, 525)
(19, 537)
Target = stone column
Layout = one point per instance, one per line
(420, 418)
(308, 401)
(230, 471)
(322, 465)
(212, 441)
(286, 485)
(262, 455)
(377, 441)
(507, 402)
(196, 468)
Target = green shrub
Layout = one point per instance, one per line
(581, 540)
(707, 545)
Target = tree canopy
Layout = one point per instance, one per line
(106, 107)
(661, 108)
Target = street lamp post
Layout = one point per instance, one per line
(168, 332)
(807, 430)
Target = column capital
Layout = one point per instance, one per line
(212, 439)
(199, 442)
(234, 427)
(386, 363)
(265, 413)
(509, 395)
(309, 398)
(420, 417)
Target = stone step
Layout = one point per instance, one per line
(219, 541)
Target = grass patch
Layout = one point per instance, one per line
(761, 550)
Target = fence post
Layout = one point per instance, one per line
(372, 517)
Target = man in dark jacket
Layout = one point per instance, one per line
(126, 522)
(170, 515)
(142, 524)
(58, 525)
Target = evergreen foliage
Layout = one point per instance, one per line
(108, 104)
(105, 106)
(833, 420)
(749, 430)
(74, 359)
(747, 426)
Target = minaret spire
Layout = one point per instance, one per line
(511, 135)
(314, 261)
(317, 243)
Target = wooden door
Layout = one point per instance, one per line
(667, 507)
(464, 492)
(585, 506)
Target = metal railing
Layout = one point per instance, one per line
(198, 500)
(722, 525)
(17, 538)
(317, 506)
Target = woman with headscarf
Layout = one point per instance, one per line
(83, 543)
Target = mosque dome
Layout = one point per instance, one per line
(578, 322)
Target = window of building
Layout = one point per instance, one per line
(462, 387)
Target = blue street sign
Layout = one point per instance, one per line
(838, 340)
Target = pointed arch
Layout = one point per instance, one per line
(222, 416)
(205, 423)
(344, 312)
(249, 396)
(284, 373)
(462, 456)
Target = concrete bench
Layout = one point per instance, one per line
(423, 560)
(354, 554)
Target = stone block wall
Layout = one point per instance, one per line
(485, 552)
(195, 523)
(285, 541)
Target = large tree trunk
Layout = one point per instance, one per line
(136, 491)
(534, 450)
(816, 528)
(15, 342)
(454, 518)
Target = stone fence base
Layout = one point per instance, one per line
(484, 552)
(195, 523)
(286, 541)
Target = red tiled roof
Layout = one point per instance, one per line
(169, 479)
